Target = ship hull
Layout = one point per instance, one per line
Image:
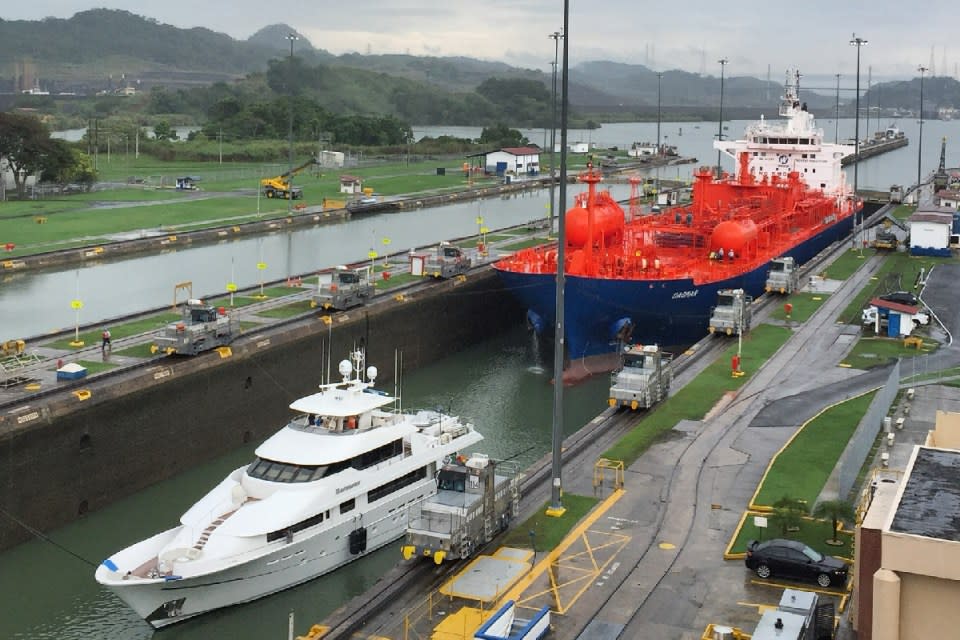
(164, 602)
(666, 312)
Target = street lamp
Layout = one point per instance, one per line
(723, 63)
(291, 37)
(659, 149)
(922, 69)
(836, 128)
(556, 36)
(857, 42)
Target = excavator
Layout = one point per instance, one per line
(279, 186)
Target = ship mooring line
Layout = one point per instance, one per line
(41, 536)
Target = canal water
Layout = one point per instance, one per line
(37, 302)
(50, 594)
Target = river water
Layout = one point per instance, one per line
(50, 595)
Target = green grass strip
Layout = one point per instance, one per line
(801, 469)
(804, 306)
(872, 352)
(697, 398)
(123, 330)
(288, 310)
(542, 532)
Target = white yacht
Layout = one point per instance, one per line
(332, 485)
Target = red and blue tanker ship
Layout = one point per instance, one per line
(654, 278)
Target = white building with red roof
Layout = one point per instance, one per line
(513, 161)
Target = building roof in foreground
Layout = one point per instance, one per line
(930, 504)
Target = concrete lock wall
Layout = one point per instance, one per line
(136, 430)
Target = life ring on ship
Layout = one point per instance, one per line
(352, 422)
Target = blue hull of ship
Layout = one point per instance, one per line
(665, 312)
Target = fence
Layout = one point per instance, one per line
(857, 449)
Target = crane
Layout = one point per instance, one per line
(279, 186)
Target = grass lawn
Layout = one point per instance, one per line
(287, 311)
(84, 225)
(96, 366)
(804, 305)
(802, 468)
(253, 296)
(701, 394)
(396, 280)
(846, 265)
(91, 338)
(903, 211)
(873, 352)
(813, 533)
(548, 531)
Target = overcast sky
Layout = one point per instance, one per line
(812, 35)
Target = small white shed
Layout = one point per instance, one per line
(930, 231)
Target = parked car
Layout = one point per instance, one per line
(792, 559)
(901, 297)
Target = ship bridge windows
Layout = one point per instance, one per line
(274, 471)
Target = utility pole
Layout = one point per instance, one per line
(858, 43)
(291, 37)
(723, 63)
(556, 508)
(556, 36)
(922, 69)
(836, 129)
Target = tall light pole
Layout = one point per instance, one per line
(836, 128)
(723, 63)
(857, 42)
(291, 37)
(922, 69)
(659, 150)
(556, 36)
(556, 507)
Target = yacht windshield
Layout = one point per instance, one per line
(273, 471)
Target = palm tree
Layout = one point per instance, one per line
(835, 510)
(787, 513)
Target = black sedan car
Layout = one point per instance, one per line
(792, 559)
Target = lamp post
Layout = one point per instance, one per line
(556, 36)
(836, 128)
(659, 149)
(723, 63)
(857, 42)
(922, 69)
(556, 508)
(291, 37)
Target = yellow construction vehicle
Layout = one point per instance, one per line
(279, 186)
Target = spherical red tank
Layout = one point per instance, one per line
(733, 234)
(608, 221)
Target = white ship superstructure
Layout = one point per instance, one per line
(333, 484)
(775, 148)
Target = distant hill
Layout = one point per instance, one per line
(105, 48)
